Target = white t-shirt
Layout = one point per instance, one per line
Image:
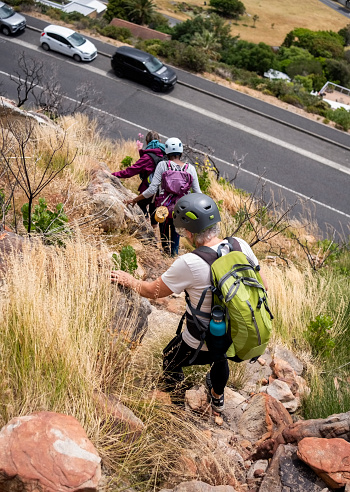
(191, 273)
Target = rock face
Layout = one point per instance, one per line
(329, 458)
(131, 315)
(107, 200)
(47, 452)
(288, 474)
(10, 113)
(264, 418)
(334, 426)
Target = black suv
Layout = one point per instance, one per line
(143, 67)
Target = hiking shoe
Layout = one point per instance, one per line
(217, 404)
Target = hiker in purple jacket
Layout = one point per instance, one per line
(145, 167)
(173, 149)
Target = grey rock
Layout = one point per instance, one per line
(287, 473)
(257, 465)
(107, 196)
(287, 355)
(198, 486)
(131, 315)
(281, 391)
(298, 477)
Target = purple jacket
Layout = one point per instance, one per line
(145, 166)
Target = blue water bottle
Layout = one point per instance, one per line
(217, 325)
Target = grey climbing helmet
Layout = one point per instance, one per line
(196, 212)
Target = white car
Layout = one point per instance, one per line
(68, 42)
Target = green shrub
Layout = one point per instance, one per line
(53, 13)
(318, 334)
(126, 162)
(193, 59)
(114, 32)
(51, 224)
(292, 99)
(340, 116)
(128, 261)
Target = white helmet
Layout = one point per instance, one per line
(173, 146)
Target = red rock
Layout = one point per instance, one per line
(47, 452)
(126, 421)
(264, 418)
(329, 458)
(284, 372)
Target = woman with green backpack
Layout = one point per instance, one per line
(196, 216)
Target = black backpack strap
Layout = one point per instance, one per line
(155, 157)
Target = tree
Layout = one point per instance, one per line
(26, 167)
(28, 76)
(255, 18)
(327, 44)
(208, 42)
(40, 82)
(116, 8)
(228, 8)
(140, 11)
(253, 57)
(345, 34)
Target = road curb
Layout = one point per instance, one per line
(242, 106)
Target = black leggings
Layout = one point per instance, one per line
(177, 355)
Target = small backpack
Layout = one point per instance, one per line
(175, 184)
(237, 287)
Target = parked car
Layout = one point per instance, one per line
(143, 67)
(10, 21)
(68, 42)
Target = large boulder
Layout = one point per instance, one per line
(47, 452)
(289, 474)
(107, 196)
(131, 315)
(329, 458)
(264, 418)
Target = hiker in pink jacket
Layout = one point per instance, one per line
(145, 167)
(173, 149)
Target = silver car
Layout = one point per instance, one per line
(10, 21)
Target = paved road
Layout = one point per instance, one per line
(314, 165)
(338, 7)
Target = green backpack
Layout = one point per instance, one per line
(237, 287)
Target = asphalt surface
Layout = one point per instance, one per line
(297, 156)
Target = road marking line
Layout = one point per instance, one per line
(259, 134)
(221, 119)
(274, 183)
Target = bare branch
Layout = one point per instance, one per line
(29, 76)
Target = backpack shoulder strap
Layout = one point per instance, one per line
(155, 157)
(207, 254)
